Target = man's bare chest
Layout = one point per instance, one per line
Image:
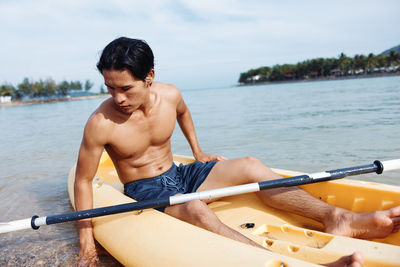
(133, 138)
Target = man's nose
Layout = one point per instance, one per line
(120, 98)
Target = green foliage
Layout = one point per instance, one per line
(88, 85)
(7, 90)
(75, 85)
(42, 88)
(324, 67)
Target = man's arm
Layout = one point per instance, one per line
(88, 160)
(186, 124)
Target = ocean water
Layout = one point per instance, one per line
(309, 126)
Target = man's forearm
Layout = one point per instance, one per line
(187, 126)
(83, 201)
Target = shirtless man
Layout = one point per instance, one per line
(135, 127)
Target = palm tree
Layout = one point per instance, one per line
(392, 58)
(88, 85)
(7, 90)
(371, 62)
(344, 63)
(25, 87)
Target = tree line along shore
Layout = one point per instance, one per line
(48, 90)
(43, 88)
(342, 67)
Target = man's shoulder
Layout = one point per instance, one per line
(168, 91)
(98, 119)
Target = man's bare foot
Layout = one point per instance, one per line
(378, 224)
(89, 257)
(353, 260)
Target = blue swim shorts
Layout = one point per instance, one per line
(178, 179)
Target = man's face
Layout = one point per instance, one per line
(129, 93)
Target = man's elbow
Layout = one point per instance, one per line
(82, 183)
(183, 114)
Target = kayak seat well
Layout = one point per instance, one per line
(297, 237)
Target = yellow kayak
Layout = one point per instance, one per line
(152, 238)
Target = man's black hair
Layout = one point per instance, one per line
(126, 53)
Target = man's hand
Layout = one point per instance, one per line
(204, 157)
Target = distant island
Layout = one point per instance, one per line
(343, 67)
(43, 91)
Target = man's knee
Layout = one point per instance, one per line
(251, 161)
(255, 169)
(198, 211)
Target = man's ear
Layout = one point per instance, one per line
(150, 77)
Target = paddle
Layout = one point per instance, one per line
(35, 222)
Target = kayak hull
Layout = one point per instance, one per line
(152, 238)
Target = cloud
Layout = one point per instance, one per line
(195, 42)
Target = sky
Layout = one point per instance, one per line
(197, 44)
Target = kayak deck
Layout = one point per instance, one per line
(290, 235)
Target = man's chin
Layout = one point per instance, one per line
(127, 112)
(125, 109)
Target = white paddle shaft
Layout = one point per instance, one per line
(391, 165)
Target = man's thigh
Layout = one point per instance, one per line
(235, 172)
(224, 173)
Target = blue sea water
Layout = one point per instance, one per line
(308, 126)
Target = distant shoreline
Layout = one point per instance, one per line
(332, 78)
(49, 100)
